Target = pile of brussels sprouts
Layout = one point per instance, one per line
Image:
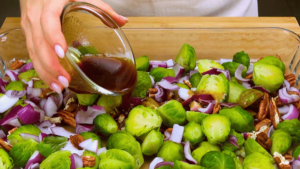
(183, 114)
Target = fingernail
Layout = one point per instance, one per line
(124, 18)
(63, 81)
(59, 51)
(56, 87)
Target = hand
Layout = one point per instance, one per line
(40, 21)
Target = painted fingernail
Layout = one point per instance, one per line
(59, 51)
(56, 87)
(124, 18)
(63, 81)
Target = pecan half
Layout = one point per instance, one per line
(263, 107)
(121, 121)
(71, 105)
(88, 161)
(53, 119)
(170, 95)
(12, 130)
(153, 90)
(16, 65)
(217, 108)
(169, 130)
(263, 139)
(249, 76)
(76, 140)
(291, 78)
(67, 117)
(281, 165)
(262, 123)
(188, 83)
(274, 113)
(4, 145)
(45, 93)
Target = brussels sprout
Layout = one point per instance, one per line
(292, 127)
(142, 63)
(15, 137)
(159, 73)
(93, 136)
(257, 161)
(51, 144)
(235, 92)
(57, 160)
(87, 50)
(105, 124)
(28, 61)
(171, 151)
(5, 161)
(251, 146)
(40, 84)
(115, 158)
(152, 142)
(165, 167)
(172, 113)
(27, 75)
(229, 146)
(206, 64)
(296, 152)
(15, 85)
(217, 160)
(203, 148)
(109, 102)
(193, 133)
(181, 85)
(143, 84)
(195, 116)
(271, 60)
(238, 164)
(281, 141)
(232, 66)
(195, 79)
(215, 85)
(267, 76)
(243, 58)
(248, 97)
(87, 153)
(216, 128)
(186, 57)
(21, 152)
(86, 99)
(241, 120)
(185, 165)
(151, 103)
(128, 143)
(233, 79)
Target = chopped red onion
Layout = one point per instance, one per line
(57, 99)
(261, 89)
(69, 146)
(160, 96)
(7, 102)
(206, 97)
(285, 98)
(163, 164)
(14, 93)
(45, 123)
(2, 134)
(180, 80)
(101, 150)
(284, 109)
(152, 80)
(80, 128)
(2, 89)
(193, 72)
(35, 100)
(45, 127)
(250, 69)
(185, 93)
(226, 73)
(50, 107)
(72, 166)
(87, 117)
(187, 102)
(225, 60)
(245, 135)
(293, 113)
(208, 109)
(187, 153)
(90, 145)
(171, 79)
(238, 73)
(12, 114)
(27, 115)
(294, 90)
(229, 104)
(167, 135)
(177, 133)
(233, 140)
(34, 92)
(60, 131)
(212, 71)
(286, 84)
(78, 161)
(14, 122)
(167, 85)
(42, 136)
(26, 67)
(136, 101)
(170, 63)
(154, 64)
(34, 166)
(27, 136)
(13, 75)
(270, 131)
(36, 157)
(296, 164)
(155, 161)
(179, 70)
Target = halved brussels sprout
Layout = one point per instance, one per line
(195, 116)
(15, 85)
(281, 141)
(142, 63)
(216, 128)
(193, 133)
(40, 84)
(185, 165)
(159, 73)
(267, 76)
(235, 91)
(229, 146)
(21, 152)
(257, 161)
(232, 66)
(51, 144)
(143, 84)
(87, 99)
(206, 64)
(204, 148)
(251, 146)
(181, 85)
(172, 113)
(6, 162)
(109, 102)
(15, 137)
(171, 151)
(151, 103)
(248, 97)
(292, 127)
(195, 79)
(186, 57)
(238, 164)
(152, 142)
(87, 153)
(215, 85)
(296, 152)
(243, 58)
(272, 60)
(115, 158)
(93, 136)
(105, 124)
(57, 160)
(217, 160)
(27, 75)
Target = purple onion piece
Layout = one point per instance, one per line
(170, 63)
(233, 140)
(167, 85)
(187, 153)
(27, 136)
(229, 104)
(7, 102)
(28, 115)
(154, 64)
(36, 157)
(13, 75)
(87, 117)
(293, 113)
(73, 166)
(2, 134)
(155, 161)
(90, 145)
(178, 70)
(284, 109)
(60, 131)
(177, 133)
(171, 79)
(12, 114)
(208, 109)
(80, 128)
(26, 67)
(238, 73)
(163, 164)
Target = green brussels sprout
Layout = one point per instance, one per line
(257, 161)
(235, 92)
(86, 99)
(115, 158)
(172, 113)
(281, 141)
(241, 152)
(203, 148)
(87, 50)
(21, 152)
(142, 120)
(193, 133)
(195, 116)
(217, 160)
(27, 75)
(105, 124)
(229, 146)
(57, 160)
(216, 128)
(215, 85)
(152, 142)
(125, 141)
(15, 85)
(241, 120)
(267, 76)
(242, 58)
(87, 135)
(248, 97)
(232, 66)
(171, 151)
(109, 103)
(238, 164)
(184, 165)
(296, 152)
(151, 103)
(186, 57)
(195, 79)
(143, 84)
(181, 85)
(159, 73)
(142, 63)
(51, 144)
(15, 137)
(251, 146)
(6, 161)
(206, 64)
(87, 153)
(292, 127)
(233, 79)
(272, 60)
(40, 84)
(165, 167)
